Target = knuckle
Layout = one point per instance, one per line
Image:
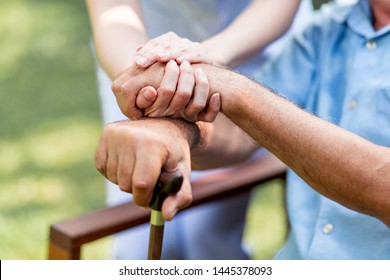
(124, 174)
(141, 184)
(100, 166)
(186, 199)
(108, 128)
(107, 131)
(166, 47)
(184, 94)
(181, 99)
(140, 202)
(115, 87)
(190, 116)
(165, 91)
(111, 173)
(123, 89)
(182, 49)
(125, 188)
(152, 56)
(202, 82)
(100, 159)
(198, 54)
(198, 105)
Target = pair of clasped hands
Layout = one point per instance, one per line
(182, 92)
(157, 90)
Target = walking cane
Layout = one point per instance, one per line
(161, 191)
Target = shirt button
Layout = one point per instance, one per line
(327, 229)
(371, 45)
(352, 104)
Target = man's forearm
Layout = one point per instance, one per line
(335, 162)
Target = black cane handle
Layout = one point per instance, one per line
(163, 189)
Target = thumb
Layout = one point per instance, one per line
(146, 97)
(173, 203)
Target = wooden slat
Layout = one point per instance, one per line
(237, 180)
(70, 235)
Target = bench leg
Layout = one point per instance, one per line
(58, 253)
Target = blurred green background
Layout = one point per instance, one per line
(49, 128)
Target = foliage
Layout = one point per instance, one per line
(49, 128)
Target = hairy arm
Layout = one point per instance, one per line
(222, 142)
(337, 163)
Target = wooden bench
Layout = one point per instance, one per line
(67, 237)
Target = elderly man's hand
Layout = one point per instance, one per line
(128, 84)
(183, 93)
(134, 154)
(180, 92)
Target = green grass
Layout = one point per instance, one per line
(50, 124)
(266, 227)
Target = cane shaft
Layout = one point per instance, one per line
(161, 191)
(156, 235)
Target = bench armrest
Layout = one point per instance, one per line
(67, 237)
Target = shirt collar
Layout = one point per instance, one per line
(359, 18)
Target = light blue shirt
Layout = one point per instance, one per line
(338, 69)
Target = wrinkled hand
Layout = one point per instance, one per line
(183, 93)
(133, 154)
(128, 84)
(168, 47)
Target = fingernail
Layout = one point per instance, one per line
(136, 57)
(171, 62)
(186, 64)
(141, 61)
(149, 94)
(162, 56)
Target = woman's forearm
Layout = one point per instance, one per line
(261, 23)
(118, 31)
